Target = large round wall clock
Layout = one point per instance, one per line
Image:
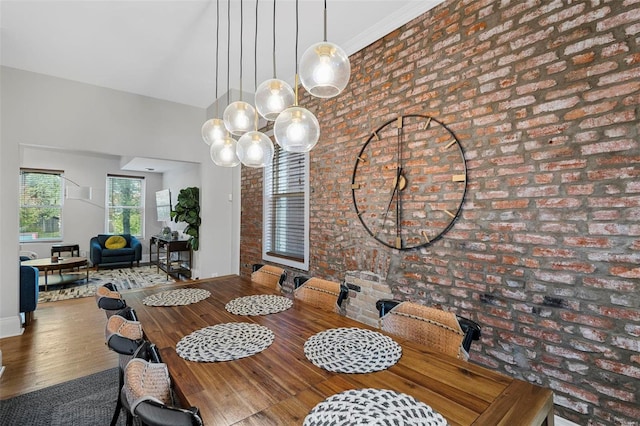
(409, 181)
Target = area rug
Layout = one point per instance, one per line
(124, 279)
(87, 401)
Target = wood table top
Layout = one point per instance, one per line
(279, 386)
(63, 262)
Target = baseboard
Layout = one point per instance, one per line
(11, 326)
(561, 421)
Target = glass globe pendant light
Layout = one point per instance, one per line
(255, 149)
(273, 95)
(238, 117)
(214, 129)
(324, 67)
(223, 152)
(296, 129)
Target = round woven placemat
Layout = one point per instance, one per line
(183, 296)
(352, 350)
(373, 407)
(262, 304)
(225, 342)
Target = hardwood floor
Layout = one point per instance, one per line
(65, 341)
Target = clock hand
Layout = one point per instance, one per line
(393, 194)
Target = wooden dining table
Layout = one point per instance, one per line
(280, 386)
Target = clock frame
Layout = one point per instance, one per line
(409, 181)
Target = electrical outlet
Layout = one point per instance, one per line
(354, 287)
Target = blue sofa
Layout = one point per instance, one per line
(100, 255)
(28, 292)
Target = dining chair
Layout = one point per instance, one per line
(436, 328)
(320, 293)
(109, 299)
(268, 275)
(147, 379)
(123, 335)
(154, 413)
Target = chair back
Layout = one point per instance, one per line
(432, 327)
(146, 377)
(109, 299)
(270, 276)
(321, 293)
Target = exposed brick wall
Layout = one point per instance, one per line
(543, 96)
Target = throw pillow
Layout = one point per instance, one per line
(115, 242)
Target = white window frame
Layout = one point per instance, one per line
(142, 200)
(268, 223)
(60, 175)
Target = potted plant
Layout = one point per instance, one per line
(187, 210)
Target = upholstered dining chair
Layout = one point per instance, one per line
(321, 293)
(429, 326)
(147, 393)
(123, 335)
(109, 299)
(268, 275)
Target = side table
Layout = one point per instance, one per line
(74, 249)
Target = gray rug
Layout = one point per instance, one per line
(123, 278)
(88, 401)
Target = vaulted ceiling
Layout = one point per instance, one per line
(167, 49)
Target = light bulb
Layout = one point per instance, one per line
(323, 73)
(255, 149)
(213, 129)
(239, 117)
(296, 131)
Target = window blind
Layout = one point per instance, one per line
(286, 201)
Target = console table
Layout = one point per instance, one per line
(172, 256)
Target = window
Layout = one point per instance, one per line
(286, 210)
(125, 205)
(40, 205)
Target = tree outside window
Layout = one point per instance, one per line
(40, 205)
(125, 205)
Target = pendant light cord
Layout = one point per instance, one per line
(325, 21)
(217, 49)
(274, 39)
(228, 46)
(241, 22)
(255, 66)
(255, 53)
(296, 80)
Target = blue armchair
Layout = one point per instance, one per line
(28, 292)
(101, 255)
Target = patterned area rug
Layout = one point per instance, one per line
(124, 279)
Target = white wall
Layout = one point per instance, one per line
(38, 110)
(83, 219)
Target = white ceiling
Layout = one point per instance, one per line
(167, 49)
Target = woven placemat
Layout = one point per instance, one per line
(225, 342)
(183, 296)
(373, 407)
(352, 350)
(262, 304)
